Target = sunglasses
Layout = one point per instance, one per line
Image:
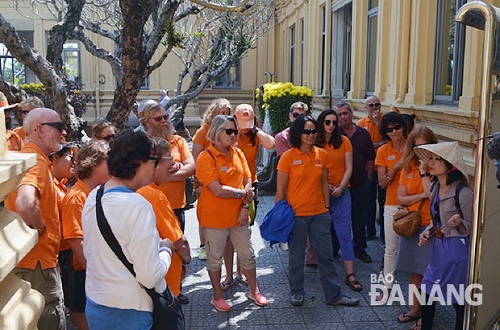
(109, 138)
(58, 125)
(160, 118)
(156, 159)
(296, 114)
(371, 105)
(24, 112)
(329, 122)
(310, 131)
(394, 128)
(230, 131)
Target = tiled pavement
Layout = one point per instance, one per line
(272, 274)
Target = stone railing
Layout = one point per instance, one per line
(20, 306)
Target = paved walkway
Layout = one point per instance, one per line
(272, 273)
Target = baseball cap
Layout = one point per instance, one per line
(245, 117)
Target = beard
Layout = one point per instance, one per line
(162, 131)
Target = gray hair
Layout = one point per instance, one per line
(343, 104)
(217, 126)
(299, 104)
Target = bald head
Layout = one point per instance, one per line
(38, 116)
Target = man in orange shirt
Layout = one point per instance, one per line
(166, 222)
(155, 121)
(22, 110)
(35, 200)
(370, 123)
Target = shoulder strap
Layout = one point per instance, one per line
(107, 233)
(421, 204)
(459, 188)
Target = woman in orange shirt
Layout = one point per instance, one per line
(414, 188)
(339, 150)
(303, 181)
(389, 163)
(220, 106)
(250, 137)
(226, 185)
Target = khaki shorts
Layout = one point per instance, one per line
(48, 283)
(216, 243)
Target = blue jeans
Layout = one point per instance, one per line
(317, 227)
(340, 211)
(103, 317)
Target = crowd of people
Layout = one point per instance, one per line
(135, 180)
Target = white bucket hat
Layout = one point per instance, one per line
(449, 151)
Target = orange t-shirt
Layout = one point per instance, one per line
(14, 141)
(41, 177)
(61, 192)
(387, 157)
(372, 128)
(337, 160)
(200, 137)
(304, 172)
(168, 226)
(250, 153)
(213, 211)
(72, 214)
(413, 182)
(20, 131)
(176, 190)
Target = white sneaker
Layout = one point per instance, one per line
(202, 254)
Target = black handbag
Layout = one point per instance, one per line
(167, 309)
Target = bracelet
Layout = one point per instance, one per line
(341, 186)
(238, 194)
(185, 264)
(388, 177)
(327, 207)
(423, 175)
(246, 206)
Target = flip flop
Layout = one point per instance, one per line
(405, 318)
(226, 285)
(242, 280)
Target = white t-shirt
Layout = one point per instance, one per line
(132, 220)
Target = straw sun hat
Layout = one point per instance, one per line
(449, 151)
(4, 104)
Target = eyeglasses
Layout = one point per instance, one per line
(296, 114)
(156, 159)
(310, 131)
(329, 122)
(24, 112)
(58, 125)
(395, 127)
(230, 131)
(160, 118)
(109, 138)
(371, 105)
(168, 159)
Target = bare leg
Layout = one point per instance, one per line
(311, 260)
(228, 260)
(79, 320)
(415, 279)
(251, 275)
(215, 280)
(349, 266)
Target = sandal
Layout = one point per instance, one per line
(353, 284)
(405, 318)
(242, 280)
(417, 325)
(226, 285)
(221, 305)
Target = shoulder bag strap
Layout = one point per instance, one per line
(107, 233)
(421, 204)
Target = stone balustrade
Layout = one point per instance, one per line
(20, 306)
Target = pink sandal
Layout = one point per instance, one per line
(221, 305)
(258, 299)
